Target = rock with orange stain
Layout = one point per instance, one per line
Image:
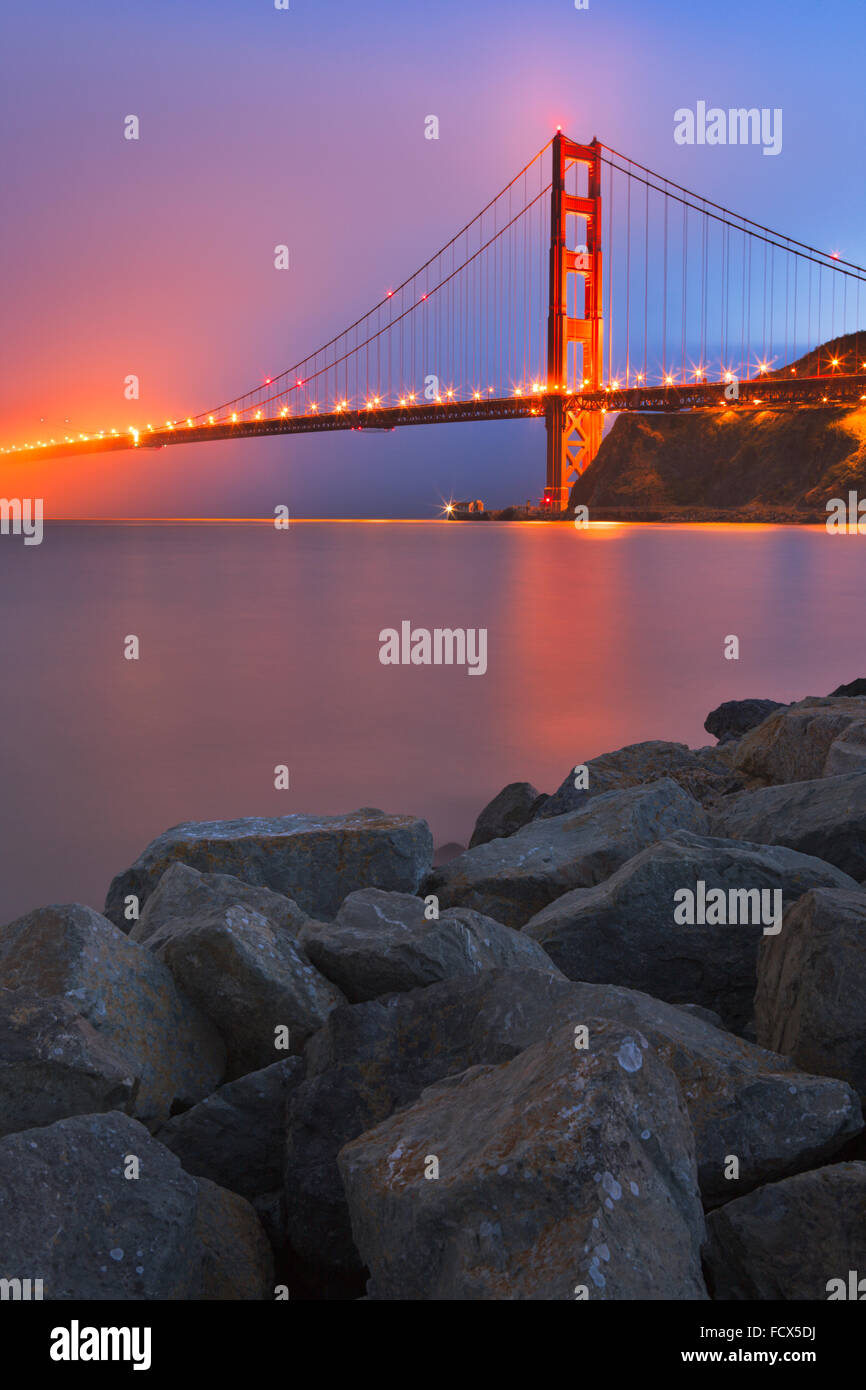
(562, 1174)
(315, 860)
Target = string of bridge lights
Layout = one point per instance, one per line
(406, 401)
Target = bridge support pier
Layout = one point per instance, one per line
(573, 440)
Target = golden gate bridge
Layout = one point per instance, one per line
(539, 308)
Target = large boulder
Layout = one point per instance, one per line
(98, 1209)
(811, 997)
(236, 1137)
(382, 943)
(372, 1058)
(509, 810)
(702, 772)
(733, 718)
(624, 931)
(315, 860)
(249, 978)
(53, 1063)
(183, 893)
(799, 1239)
(743, 1101)
(795, 743)
(511, 880)
(825, 817)
(558, 1174)
(128, 996)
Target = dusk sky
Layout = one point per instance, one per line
(306, 127)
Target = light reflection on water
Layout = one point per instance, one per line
(260, 647)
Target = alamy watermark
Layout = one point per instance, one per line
(733, 907)
(735, 126)
(21, 1290)
(443, 646)
(846, 518)
(22, 517)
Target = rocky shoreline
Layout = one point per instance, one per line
(615, 1049)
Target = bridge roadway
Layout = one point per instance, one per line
(765, 391)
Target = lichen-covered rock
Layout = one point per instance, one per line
(624, 931)
(795, 743)
(811, 997)
(370, 1058)
(315, 860)
(511, 880)
(509, 810)
(250, 978)
(798, 1239)
(54, 1064)
(128, 996)
(183, 893)
(702, 772)
(73, 1214)
(825, 817)
(744, 1102)
(381, 943)
(558, 1174)
(733, 718)
(236, 1137)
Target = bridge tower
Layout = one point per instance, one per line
(573, 435)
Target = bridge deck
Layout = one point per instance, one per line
(764, 392)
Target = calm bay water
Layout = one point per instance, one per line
(261, 647)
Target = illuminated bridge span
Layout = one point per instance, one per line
(537, 308)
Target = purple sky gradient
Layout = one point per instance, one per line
(307, 127)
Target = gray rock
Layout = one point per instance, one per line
(381, 943)
(811, 997)
(623, 931)
(72, 1215)
(237, 1263)
(315, 860)
(558, 1170)
(794, 1240)
(249, 978)
(236, 1137)
(847, 753)
(127, 995)
(54, 1064)
(509, 810)
(702, 772)
(183, 893)
(372, 1058)
(743, 1101)
(511, 880)
(825, 817)
(794, 744)
(733, 718)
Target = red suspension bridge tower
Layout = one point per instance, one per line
(573, 435)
